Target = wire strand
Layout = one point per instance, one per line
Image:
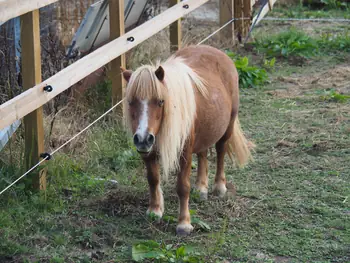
(340, 20)
(59, 148)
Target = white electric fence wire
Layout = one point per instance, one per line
(276, 19)
(306, 19)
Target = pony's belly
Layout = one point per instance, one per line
(210, 130)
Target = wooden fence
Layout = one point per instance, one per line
(37, 93)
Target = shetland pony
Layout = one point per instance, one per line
(180, 107)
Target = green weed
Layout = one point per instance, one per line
(334, 96)
(334, 4)
(151, 250)
(286, 44)
(335, 42)
(249, 76)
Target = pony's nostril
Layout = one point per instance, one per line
(150, 139)
(137, 139)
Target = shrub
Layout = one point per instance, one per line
(249, 76)
(289, 43)
(331, 42)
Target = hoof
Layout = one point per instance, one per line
(184, 229)
(203, 193)
(220, 190)
(158, 213)
(203, 196)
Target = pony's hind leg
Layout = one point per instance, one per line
(202, 175)
(220, 179)
(156, 203)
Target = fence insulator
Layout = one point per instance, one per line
(46, 156)
(48, 88)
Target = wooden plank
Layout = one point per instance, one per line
(175, 31)
(226, 14)
(13, 8)
(117, 29)
(33, 98)
(31, 75)
(264, 11)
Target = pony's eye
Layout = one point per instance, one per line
(160, 103)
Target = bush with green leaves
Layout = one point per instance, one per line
(287, 43)
(334, 4)
(249, 76)
(335, 42)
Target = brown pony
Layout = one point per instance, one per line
(180, 107)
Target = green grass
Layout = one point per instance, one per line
(292, 202)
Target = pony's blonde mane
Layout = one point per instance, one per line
(178, 92)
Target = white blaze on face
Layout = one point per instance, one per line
(143, 122)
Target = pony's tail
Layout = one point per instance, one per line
(238, 148)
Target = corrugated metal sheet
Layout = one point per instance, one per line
(94, 29)
(6, 133)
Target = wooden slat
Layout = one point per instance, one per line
(175, 31)
(35, 97)
(226, 14)
(13, 8)
(117, 29)
(265, 10)
(31, 75)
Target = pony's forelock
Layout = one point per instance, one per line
(178, 91)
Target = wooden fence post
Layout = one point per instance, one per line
(247, 12)
(226, 14)
(175, 31)
(117, 28)
(31, 75)
(238, 14)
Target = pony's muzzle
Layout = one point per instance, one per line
(145, 143)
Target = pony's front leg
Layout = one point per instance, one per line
(184, 226)
(156, 203)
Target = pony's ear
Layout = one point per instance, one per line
(160, 73)
(126, 73)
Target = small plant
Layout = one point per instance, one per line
(331, 42)
(196, 221)
(288, 43)
(334, 4)
(269, 64)
(334, 96)
(249, 76)
(164, 253)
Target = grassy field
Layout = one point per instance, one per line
(292, 204)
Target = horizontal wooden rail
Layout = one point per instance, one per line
(13, 8)
(35, 97)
